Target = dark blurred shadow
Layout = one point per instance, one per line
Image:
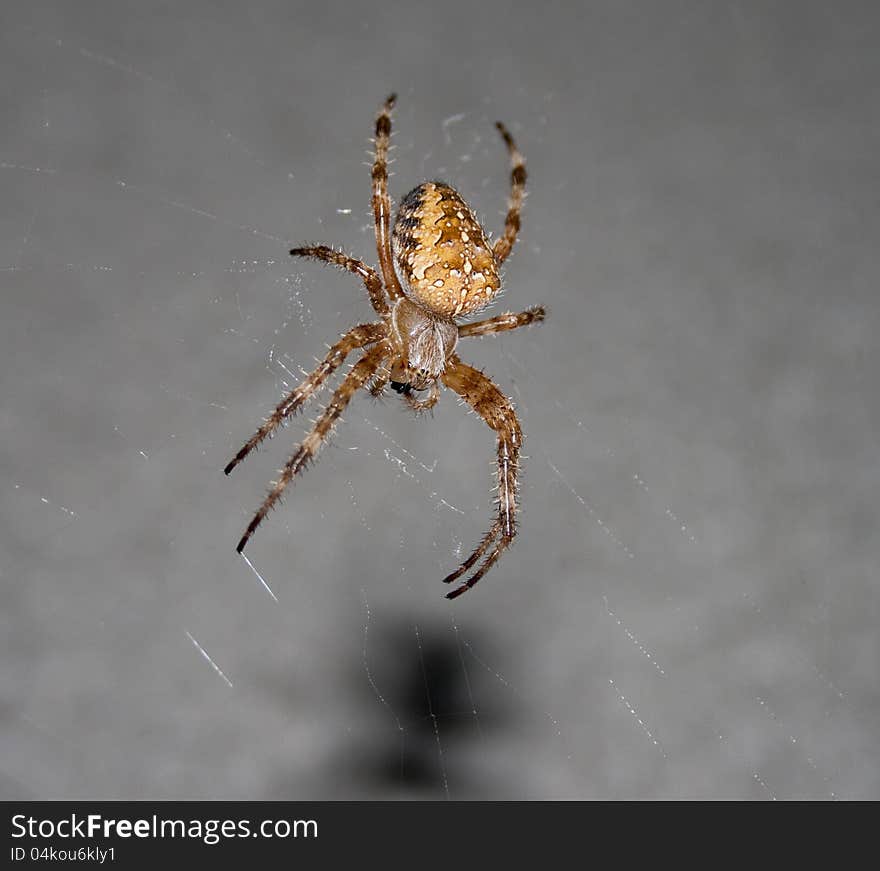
(422, 727)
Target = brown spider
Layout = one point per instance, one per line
(450, 272)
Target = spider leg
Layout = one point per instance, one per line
(370, 277)
(365, 334)
(496, 409)
(502, 323)
(380, 381)
(504, 244)
(360, 373)
(382, 202)
(472, 560)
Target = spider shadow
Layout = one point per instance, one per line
(437, 708)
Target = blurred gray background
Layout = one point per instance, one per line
(691, 610)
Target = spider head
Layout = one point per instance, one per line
(442, 253)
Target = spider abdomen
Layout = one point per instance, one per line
(442, 252)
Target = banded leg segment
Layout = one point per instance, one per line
(367, 274)
(505, 242)
(502, 323)
(360, 374)
(496, 409)
(362, 335)
(382, 202)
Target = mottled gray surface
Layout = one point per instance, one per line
(692, 607)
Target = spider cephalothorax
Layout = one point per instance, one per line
(450, 271)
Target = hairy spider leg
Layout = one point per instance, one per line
(360, 373)
(504, 244)
(495, 408)
(380, 380)
(360, 336)
(382, 202)
(502, 323)
(371, 279)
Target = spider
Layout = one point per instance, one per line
(449, 271)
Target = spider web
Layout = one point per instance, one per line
(688, 611)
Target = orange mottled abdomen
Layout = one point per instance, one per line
(442, 252)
